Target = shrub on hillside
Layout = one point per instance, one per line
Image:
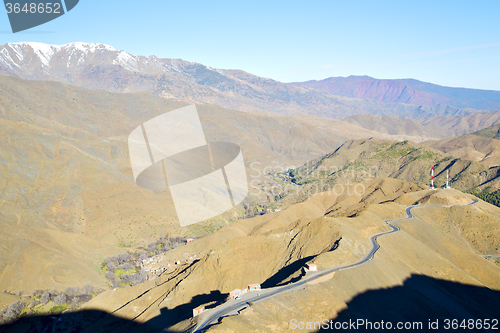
(122, 257)
(143, 255)
(60, 300)
(10, 313)
(34, 303)
(87, 290)
(75, 302)
(110, 267)
(71, 291)
(37, 293)
(116, 284)
(109, 276)
(45, 298)
(126, 266)
(134, 279)
(152, 247)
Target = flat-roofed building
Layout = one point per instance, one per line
(253, 287)
(312, 267)
(235, 293)
(199, 310)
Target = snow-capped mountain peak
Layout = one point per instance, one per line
(45, 52)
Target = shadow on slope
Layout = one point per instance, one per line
(91, 321)
(421, 299)
(293, 272)
(290, 273)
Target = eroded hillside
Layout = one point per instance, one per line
(256, 251)
(432, 269)
(68, 197)
(365, 159)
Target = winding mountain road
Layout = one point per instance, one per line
(233, 306)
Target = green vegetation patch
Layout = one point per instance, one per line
(119, 272)
(492, 198)
(397, 150)
(58, 309)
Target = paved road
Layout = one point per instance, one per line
(232, 307)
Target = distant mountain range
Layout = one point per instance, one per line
(440, 126)
(406, 91)
(102, 67)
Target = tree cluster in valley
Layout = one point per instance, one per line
(71, 298)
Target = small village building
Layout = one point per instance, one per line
(235, 293)
(199, 310)
(253, 287)
(189, 240)
(312, 267)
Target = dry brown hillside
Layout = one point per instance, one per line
(471, 147)
(68, 199)
(431, 269)
(434, 127)
(364, 159)
(460, 125)
(407, 128)
(444, 242)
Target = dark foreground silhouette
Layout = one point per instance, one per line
(91, 321)
(420, 299)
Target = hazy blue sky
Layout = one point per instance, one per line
(454, 43)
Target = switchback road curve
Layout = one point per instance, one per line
(233, 307)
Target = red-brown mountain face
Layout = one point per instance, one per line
(407, 91)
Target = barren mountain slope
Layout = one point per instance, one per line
(256, 250)
(471, 147)
(361, 160)
(431, 269)
(442, 126)
(99, 66)
(67, 194)
(490, 132)
(460, 125)
(408, 128)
